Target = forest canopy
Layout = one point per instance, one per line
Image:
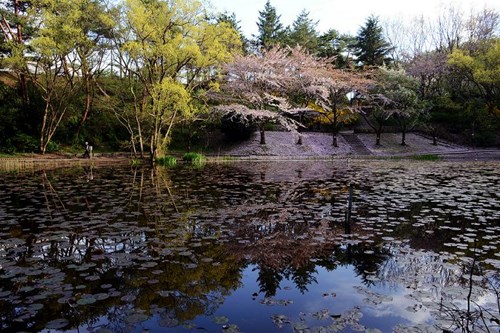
(149, 76)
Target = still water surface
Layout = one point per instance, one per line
(252, 247)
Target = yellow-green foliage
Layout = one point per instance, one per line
(484, 66)
(180, 51)
(66, 25)
(481, 68)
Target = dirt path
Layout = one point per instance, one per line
(317, 145)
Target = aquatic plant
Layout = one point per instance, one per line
(167, 161)
(194, 158)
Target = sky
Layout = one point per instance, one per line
(346, 16)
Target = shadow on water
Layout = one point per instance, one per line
(123, 249)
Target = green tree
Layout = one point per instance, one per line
(304, 33)
(333, 45)
(235, 24)
(94, 22)
(271, 31)
(55, 72)
(175, 53)
(66, 56)
(17, 29)
(400, 91)
(479, 74)
(371, 48)
(430, 69)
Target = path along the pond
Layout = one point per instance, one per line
(318, 145)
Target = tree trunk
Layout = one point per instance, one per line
(378, 133)
(335, 127)
(88, 101)
(299, 142)
(139, 134)
(403, 138)
(262, 136)
(43, 144)
(335, 141)
(132, 142)
(434, 139)
(153, 151)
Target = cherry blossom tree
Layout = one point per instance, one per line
(332, 94)
(260, 84)
(327, 90)
(290, 81)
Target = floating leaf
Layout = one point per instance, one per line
(86, 301)
(57, 324)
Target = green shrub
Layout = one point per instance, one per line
(194, 158)
(168, 161)
(24, 143)
(52, 147)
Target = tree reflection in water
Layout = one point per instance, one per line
(172, 244)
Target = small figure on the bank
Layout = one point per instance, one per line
(88, 151)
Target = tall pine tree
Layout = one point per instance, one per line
(371, 48)
(339, 47)
(271, 30)
(304, 33)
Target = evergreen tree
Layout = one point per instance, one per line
(332, 44)
(304, 33)
(371, 48)
(271, 30)
(232, 21)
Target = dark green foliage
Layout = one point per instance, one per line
(15, 136)
(271, 30)
(371, 48)
(304, 33)
(332, 44)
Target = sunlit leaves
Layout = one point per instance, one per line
(175, 53)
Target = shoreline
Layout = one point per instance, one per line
(58, 160)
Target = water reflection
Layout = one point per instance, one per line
(137, 247)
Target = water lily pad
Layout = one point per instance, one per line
(86, 301)
(57, 324)
(128, 298)
(35, 307)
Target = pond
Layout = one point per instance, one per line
(252, 247)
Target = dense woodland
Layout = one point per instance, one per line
(149, 76)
